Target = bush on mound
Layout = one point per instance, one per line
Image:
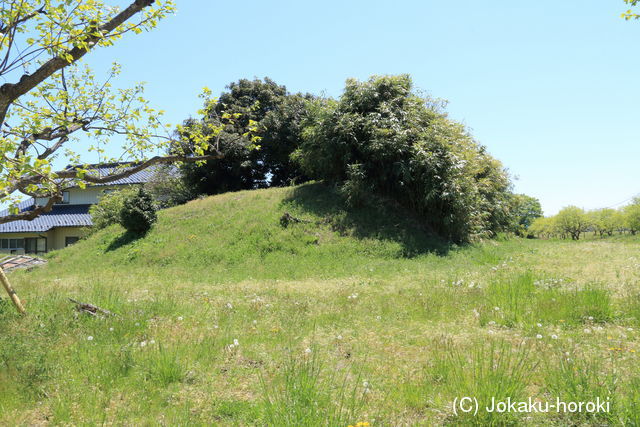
(138, 213)
(381, 138)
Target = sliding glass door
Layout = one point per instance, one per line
(35, 245)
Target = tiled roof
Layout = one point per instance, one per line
(75, 215)
(59, 216)
(141, 177)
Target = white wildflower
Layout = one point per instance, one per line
(539, 336)
(89, 338)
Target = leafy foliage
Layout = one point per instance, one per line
(168, 189)
(605, 221)
(572, 221)
(107, 211)
(256, 145)
(138, 213)
(49, 98)
(381, 138)
(631, 13)
(524, 210)
(632, 216)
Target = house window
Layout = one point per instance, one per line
(11, 243)
(35, 245)
(65, 197)
(70, 240)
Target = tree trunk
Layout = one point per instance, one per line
(11, 292)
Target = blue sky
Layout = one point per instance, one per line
(550, 87)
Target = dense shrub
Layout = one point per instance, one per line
(249, 109)
(381, 138)
(138, 212)
(523, 211)
(107, 211)
(167, 188)
(631, 216)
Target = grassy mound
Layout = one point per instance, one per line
(239, 235)
(227, 317)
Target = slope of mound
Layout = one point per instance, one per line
(240, 235)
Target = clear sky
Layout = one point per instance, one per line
(550, 87)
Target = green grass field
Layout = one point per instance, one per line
(225, 317)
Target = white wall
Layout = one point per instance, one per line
(88, 196)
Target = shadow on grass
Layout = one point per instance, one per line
(123, 240)
(378, 220)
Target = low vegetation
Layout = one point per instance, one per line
(349, 315)
(572, 222)
(133, 208)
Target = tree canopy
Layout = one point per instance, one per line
(51, 104)
(524, 210)
(631, 13)
(382, 139)
(261, 108)
(572, 222)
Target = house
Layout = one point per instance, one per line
(63, 225)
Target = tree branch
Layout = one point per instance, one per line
(10, 26)
(72, 173)
(21, 183)
(61, 134)
(9, 92)
(35, 212)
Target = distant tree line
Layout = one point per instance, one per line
(572, 222)
(380, 140)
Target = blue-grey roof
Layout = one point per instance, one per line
(59, 216)
(76, 215)
(141, 177)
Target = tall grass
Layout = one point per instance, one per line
(484, 371)
(306, 392)
(574, 377)
(516, 300)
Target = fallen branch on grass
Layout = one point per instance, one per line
(91, 309)
(287, 219)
